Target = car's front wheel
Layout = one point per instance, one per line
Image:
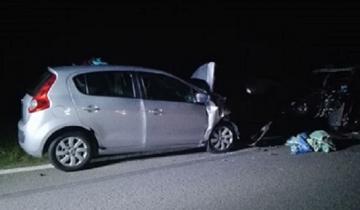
(222, 138)
(70, 151)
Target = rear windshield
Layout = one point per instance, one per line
(34, 88)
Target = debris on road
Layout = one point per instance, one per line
(317, 141)
(298, 144)
(320, 141)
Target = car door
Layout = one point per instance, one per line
(107, 103)
(173, 118)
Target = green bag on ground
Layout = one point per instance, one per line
(320, 141)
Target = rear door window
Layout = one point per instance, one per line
(112, 83)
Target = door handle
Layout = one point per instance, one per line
(91, 108)
(156, 111)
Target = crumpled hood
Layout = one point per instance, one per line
(206, 72)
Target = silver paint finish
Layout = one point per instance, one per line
(116, 121)
(178, 123)
(119, 124)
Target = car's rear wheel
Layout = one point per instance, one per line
(70, 151)
(222, 138)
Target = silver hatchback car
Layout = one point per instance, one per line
(78, 112)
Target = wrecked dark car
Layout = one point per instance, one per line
(334, 98)
(329, 100)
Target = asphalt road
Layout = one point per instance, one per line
(255, 178)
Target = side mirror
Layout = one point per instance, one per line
(201, 98)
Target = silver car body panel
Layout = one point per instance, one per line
(35, 128)
(119, 124)
(174, 123)
(111, 119)
(214, 117)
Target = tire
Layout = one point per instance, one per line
(222, 138)
(70, 151)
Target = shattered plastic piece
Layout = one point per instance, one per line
(259, 136)
(298, 144)
(320, 141)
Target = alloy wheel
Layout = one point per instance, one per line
(221, 138)
(71, 151)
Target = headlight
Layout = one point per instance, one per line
(248, 90)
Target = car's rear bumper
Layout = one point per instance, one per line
(30, 139)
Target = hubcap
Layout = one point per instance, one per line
(71, 151)
(222, 138)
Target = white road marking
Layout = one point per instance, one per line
(24, 169)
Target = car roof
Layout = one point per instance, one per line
(88, 68)
(66, 71)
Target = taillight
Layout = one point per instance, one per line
(41, 101)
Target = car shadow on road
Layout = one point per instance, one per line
(114, 159)
(340, 142)
(270, 141)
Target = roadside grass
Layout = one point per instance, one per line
(11, 155)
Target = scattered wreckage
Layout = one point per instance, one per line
(317, 141)
(336, 99)
(330, 102)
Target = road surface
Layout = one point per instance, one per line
(253, 178)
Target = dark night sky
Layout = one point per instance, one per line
(264, 38)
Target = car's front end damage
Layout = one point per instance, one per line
(329, 101)
(218, 113)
